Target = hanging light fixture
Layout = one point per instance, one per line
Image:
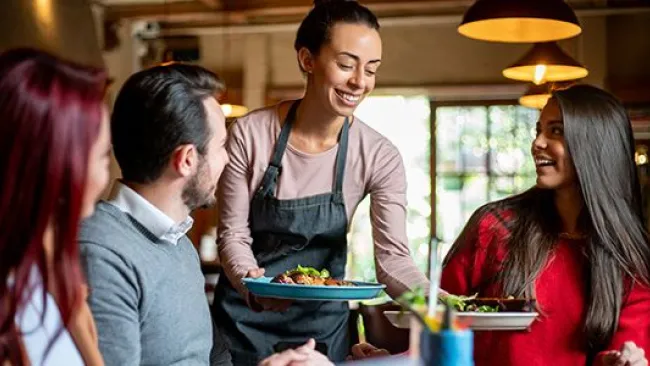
(63, 28)
(233, 110)
(641, 155)
(545, 62)
(519, 21)
(538, 95)
(229, 110)
(535, 97)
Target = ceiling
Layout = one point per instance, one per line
(175, 14)
(135, 2)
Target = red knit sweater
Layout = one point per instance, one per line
(556, 338)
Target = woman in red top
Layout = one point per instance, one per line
(576, 242)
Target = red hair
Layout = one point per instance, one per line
(50, 116)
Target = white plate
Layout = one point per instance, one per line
(476, 321)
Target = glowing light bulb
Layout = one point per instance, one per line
(540, 74)
(227, 109)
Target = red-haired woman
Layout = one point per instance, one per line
(54, 156)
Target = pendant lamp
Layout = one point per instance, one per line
(641, 155)
(545, 62)
(538, 95)
(65, 28)
(233, 110)
(519, 21)
(229, 110)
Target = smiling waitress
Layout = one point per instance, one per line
(298, 171)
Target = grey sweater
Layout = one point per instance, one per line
(147, 296)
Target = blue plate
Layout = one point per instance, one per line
(263, 287)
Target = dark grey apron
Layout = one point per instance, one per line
(309, 231)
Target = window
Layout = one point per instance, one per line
(405, 121)
(482, 155)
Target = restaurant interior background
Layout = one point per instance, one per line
(441, 98)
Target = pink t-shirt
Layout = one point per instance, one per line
(374, 166)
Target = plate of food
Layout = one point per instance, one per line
(477, 313)
(307, 283)
(474, 320)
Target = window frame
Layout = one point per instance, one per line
(489, 174)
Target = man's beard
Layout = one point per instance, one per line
(193, 196)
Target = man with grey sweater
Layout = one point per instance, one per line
(146, 289)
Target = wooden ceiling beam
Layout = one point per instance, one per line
(212, 4)
(212, 10)
(178, 11)
(239, 12)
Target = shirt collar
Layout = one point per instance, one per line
(153, 219)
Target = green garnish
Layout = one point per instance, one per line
(324, 273)
(414, 298)
(417, 299)
(455, 301)
(309, 271)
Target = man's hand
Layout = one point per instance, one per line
(304, 355)
(364, 350)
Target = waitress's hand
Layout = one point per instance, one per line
(265, 303)
(304, 355)
(365, 350)
(629, 355)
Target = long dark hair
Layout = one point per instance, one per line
(617, 246)
(50, 116)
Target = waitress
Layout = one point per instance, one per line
(298, 170)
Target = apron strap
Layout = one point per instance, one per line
(270, 179)
(341, 157)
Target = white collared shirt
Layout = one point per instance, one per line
(154, 220)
